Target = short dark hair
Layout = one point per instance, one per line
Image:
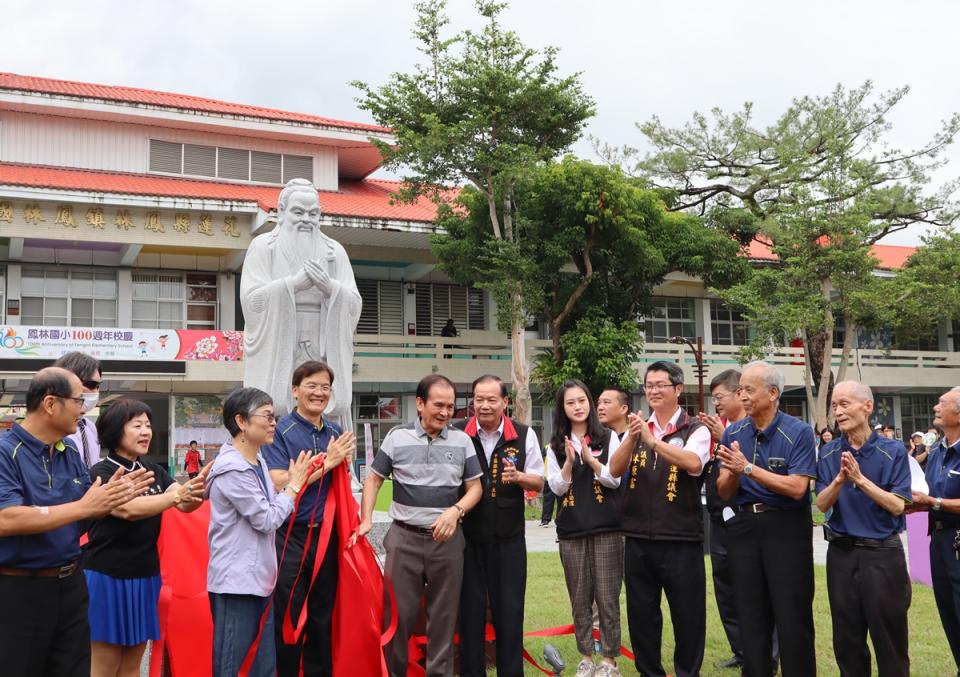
(427, 382)
(888, 426)
(729, 379)
(672, 368)
(47, 382)
(193, 441)
(243, 402)
(490, 378)
(622, 395)
(81, 364)
(110, 423)
(309, 368)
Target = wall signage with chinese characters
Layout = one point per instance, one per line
(122, 344)
(172, 227)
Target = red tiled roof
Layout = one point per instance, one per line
(891, 257)
(368, 199)
(147, 97)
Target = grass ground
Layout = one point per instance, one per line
(384, 496)
(548, 606)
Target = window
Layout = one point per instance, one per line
(382, 411)
(728, 327)
(3, 294)
(238, 164)
(670, 317)
(68, 297)
(436, 303)
(916, 412)
(927, 342)
(164, 300)
(382, 307)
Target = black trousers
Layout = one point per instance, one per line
(314, 647)
(651, 568)
(723, 590)
(496, 572)
(945, 572)
(551, 505)
(44, 631)
(869, 590)
(771, 562)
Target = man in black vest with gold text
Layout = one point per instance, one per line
(661, 461)
(495, 558)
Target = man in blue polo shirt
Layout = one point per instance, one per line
(45, 499)
(943, 502)
(767, 461)
(305, 429)
(863, 485)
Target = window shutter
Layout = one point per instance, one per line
(369, 314)
(297, 167)
(199, 160)
(264, 167)
(166, 157)
(391, 307)
(476, 309)
(233, 163)
(424, 305)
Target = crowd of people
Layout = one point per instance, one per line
(629, 516)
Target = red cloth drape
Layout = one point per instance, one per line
(186, 626)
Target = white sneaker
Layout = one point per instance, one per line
(606, 670)
(585, 669)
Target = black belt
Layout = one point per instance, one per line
(937, 525)
(64, 571)
(833, 537)
(755, 507)
(416, 530)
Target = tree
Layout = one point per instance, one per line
(926, 290)
(591, 244)
(483, 109)
(820, 186)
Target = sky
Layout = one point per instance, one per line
(637, 59)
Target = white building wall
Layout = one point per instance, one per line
(93, 144)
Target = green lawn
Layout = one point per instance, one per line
(547, 605)
(384, 496)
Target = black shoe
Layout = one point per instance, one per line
(732, 662)
(544, 523)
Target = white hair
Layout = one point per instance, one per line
(860, 390)
(294, 186)
(772, 376)
(956, 389)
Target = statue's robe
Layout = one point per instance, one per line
(272, 331)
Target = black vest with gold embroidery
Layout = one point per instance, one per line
(661, 501)
(499, 514)
(588, 507)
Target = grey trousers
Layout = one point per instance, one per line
(593, 569)
(412, 560)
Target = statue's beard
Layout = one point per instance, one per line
(297, 246)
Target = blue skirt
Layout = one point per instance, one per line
(123, 610)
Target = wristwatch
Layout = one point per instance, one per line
(937, 504)
(748, 469)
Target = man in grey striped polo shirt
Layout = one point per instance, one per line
(430, 462)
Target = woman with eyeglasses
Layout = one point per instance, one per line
(121, 563)
(245, 511)
(588, 526)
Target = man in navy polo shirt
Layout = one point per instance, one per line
(863, 484)
(45, 499)
(943, 502)
(305, 429)
(767, 461)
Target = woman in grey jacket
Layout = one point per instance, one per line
(245, 511)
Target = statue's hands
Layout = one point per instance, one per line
(318, 276)
(301, 280)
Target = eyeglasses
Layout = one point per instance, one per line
(269, 417)
(657, 386)
(314, 387)
(717, 399)
(78, 400)
(91, 384)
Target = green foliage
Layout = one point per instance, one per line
(926, 291)
(598, 351)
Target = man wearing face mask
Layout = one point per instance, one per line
(90, 373)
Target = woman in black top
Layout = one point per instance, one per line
(121, 563)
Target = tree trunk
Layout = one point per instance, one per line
(807, 377)
(522, 402)
(849, 339)
(824, 343)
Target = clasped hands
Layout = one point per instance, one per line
(313, 274)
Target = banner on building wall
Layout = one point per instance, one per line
(172, 345)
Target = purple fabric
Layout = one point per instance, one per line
(244, 514)
(918, 545)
